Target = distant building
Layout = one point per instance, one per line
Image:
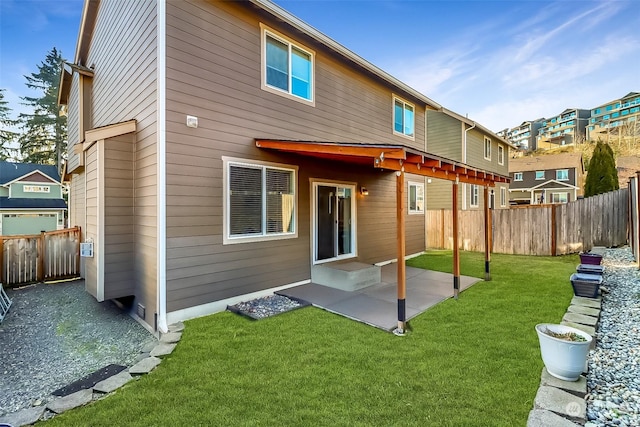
(564, 129)
(31, 199)
(524, 136)
(616, 119)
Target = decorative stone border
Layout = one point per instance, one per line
(562, 403)
(151, 357)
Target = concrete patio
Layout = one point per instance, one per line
(376, 305)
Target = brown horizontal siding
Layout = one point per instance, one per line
(444, 135)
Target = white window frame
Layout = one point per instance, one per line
(517, 176)
(553, 197)
(474, 196)
(266, 31)
(487, 148)
(500, 155)
(393, 117)
(256, 164)
(562, 170)
(417, 185)
(503, 197)
(543, 176)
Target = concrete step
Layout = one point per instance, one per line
(346, 276)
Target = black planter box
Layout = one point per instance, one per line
(586, 285)
(589, 258)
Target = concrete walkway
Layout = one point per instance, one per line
(377, 305)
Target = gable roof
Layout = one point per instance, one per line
(23, 203)
(546, 162)
(552, 183)
(10, 172)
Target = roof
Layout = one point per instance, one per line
(12, 171)
(20, 203)
(546, 162)
(627, 167)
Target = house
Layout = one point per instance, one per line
(453, 136)
(617, 120)
(31, 199)
(553, 178)
(627, 167)
(524, 136)
(218, 151)
(568, 127)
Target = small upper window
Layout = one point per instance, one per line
(500, 155)
(517, 176)
(562, 174)
(416, 198)
(403, 117)
(287, 67)
(503, 196)
(539, 174)
(487, 148)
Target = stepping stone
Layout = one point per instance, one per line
(587, 311)
(162, 349)
(79, 398)
(149, 345)
(598, 250)
(563, 403)
(578, 388)
(113, 383)
(171, 337)
(587, 302)
(90, 380)
(144, 366)
(176, 327)
(543, 418)
(580, 318)
(23, 418)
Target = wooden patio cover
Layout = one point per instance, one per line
(403, 159)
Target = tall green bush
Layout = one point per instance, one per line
(602, 175)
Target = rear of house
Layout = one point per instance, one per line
(172, 104)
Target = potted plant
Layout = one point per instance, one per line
(564, 350)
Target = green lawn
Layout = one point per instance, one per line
(471, 362)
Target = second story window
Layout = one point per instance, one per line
(562, 175)
(517, 176)
(539, 174)
(500, 155)
(487, 148)
(287, 67)
(403, 117)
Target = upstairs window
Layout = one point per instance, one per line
(500, 155)
(539, 174)
(487, 148)
(562, 175)
(287, 67)
(403, 118)
(517, 176)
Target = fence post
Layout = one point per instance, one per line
(41, 255)
(442, 229)
(1, 260)
(554, 243)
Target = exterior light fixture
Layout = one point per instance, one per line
(364, 191)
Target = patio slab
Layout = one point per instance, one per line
(377, 305)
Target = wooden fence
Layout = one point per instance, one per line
(51, 255)
(600, 220)
(634, 216)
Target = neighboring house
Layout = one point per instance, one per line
(627, 166)
(553, 178)
(524, 136)
(616, 120)
(566, 128)
(31, 199)
(456, 137)
(218, 151)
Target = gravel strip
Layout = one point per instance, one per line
(56, 334)
(270, 305)
(613, 381)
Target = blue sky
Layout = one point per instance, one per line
(499, 62)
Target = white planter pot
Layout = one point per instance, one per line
(563, 359)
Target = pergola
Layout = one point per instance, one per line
(402, 159)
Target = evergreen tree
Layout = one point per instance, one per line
(7, 137)
(603, 175)
(45, 130)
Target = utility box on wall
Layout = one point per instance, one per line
(86, 249)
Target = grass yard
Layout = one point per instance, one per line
(471, 362)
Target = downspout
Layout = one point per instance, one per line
(161, 203)
(464, 160)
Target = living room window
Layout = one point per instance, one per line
(403, 118)
(474, 198)
(416, 198)
(559, 197)
(260, 201)
(287, 67)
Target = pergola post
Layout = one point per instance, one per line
(487, 235)
(400, 210)
(456, 246)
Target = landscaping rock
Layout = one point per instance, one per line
(162, 349)
(171, 337)
(144, 366)
(176, 327)
(113, 383)
(543, 418)
(580, 318)
(24, 417)
(561, 402)
(587, 302)
(578, 388)
(71, 401)
(587, 311)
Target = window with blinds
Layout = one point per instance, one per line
(260, 201)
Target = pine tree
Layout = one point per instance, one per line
(7, 137)
(45, 130)
(602, 175)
